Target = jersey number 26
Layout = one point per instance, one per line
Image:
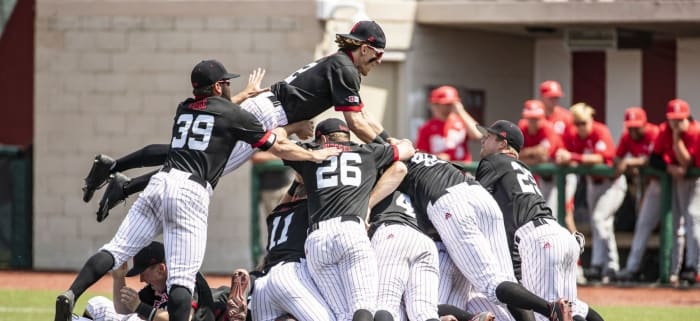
(340, 170)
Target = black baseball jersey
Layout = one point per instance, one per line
(287, 227)
(330, 81)
(341, 184)
(516, 192)
(160, 301)
(204, 133)
(396, 207)
(428, 179)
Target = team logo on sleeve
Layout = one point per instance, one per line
(600, 146)
(353, 99)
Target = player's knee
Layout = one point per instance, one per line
(362, 315)
(383, 315)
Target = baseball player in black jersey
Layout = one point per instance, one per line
(544, 253)
(470, 224)
(333, 80)
(176, 200)
(338, 251)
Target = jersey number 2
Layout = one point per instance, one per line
(327, 176)
(283, 236)
(525, 179)
(195, 133)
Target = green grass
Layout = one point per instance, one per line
(37, 305)
(18, 305)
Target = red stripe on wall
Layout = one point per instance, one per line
(658, 78)
(588, 70)
(17, 81)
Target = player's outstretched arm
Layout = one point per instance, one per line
(359, 125)
(286, 149)
(387, 183)
(252, 89)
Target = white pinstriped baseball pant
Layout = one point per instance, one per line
(470, 224)
(288, 288)
(268, 114)
(549, 254)
(176, 206)
(408, 269)
(343, 266)
(102, 309)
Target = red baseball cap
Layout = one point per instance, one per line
(677, 109)
(533, 109)
(551, 88)
(444, 95)
(635, 117)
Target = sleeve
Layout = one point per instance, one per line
(486, 174)
(555, 141)
(147, 295)
(384, 154)
(622, 149)
(345, 89)
(605, 145)
(659, 146)
(247, 128)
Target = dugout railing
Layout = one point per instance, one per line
(15, 207)
(559, 172)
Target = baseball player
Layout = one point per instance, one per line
(678, 138)
(590, 143)
(176, 200)
(559, 117)
(448, 132)
(633, 150)
(150, 302)
(470, 224)
(544, 254)
(338, 252)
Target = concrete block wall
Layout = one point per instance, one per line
(108, 78)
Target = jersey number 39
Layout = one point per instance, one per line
(195, 132)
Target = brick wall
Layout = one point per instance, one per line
(108, 78)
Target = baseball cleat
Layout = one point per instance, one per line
(98, 175)
(560, 310)
(626, 276)
(114, 194)
(64, 306)
(237, 305)
(484, 316)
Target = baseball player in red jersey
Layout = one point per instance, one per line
(559, 117)
(338, 252)
(678, 139)
(590, 143)
(448, 132)
(543, 253)
(633, 150)
(176, 200)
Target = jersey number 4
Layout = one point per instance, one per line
(195, 132)
(342, 170)
(525, 179)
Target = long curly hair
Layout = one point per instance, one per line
(345, 43)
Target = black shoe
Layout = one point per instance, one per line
(98, 175)
(64, 306)
(608, 276)
(114, 194)
(593, 273)
(688, 275)
(626, 275)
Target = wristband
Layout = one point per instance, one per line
(576, 157)
(378, 140)
(384, 135)
(152, 315)
(144, 311)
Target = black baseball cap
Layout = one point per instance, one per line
(368, 32)
(152, 254)
(208, 72)
(507, 131)
(331, 125)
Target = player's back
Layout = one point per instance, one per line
(204, 134)
(341, 185)
(330, 81)
(395, 208)
(287, 227)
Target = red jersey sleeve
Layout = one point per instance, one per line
(622, 149)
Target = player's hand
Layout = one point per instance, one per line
(457, 107)
(120, 272)
(320, 155)
(676, 171)
(562, 157)
(254, 81)
(130, 298)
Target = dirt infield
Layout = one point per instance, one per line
(637, 296)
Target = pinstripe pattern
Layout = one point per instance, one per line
(470, 224)
(343, 266)
(408, 268)
(288, 288)
(647, 220)
(453, 287)
(177, 207)
(102, 309)
(692, 227)
(271, 115)
(604, 199)
(549, 254)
